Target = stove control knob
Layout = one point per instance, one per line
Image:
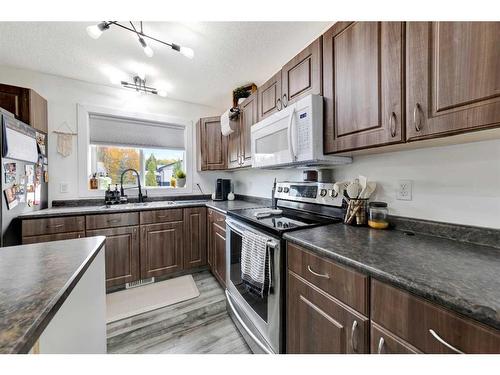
(280, 189)
(333, 193)
(286, 190)
(323, 192)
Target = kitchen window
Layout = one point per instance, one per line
(156, 150)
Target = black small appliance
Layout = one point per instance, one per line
(222, 189)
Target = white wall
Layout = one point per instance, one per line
(64, 94)
(457, 184)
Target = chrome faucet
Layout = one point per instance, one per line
(122, 190)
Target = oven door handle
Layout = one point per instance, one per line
(245, 327)
(270, 242)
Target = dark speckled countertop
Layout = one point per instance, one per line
(462, 276)
(35, 280)
(222, 206)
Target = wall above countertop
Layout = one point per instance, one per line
(458, 184)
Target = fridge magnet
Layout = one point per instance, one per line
(45, 160)
(38, 174)
(38, 191)
(30, 195)
(20, 193)
(9, 172)
(10, 197)
(65, 139)
(46, 176)
(40, 141)
(29, 170)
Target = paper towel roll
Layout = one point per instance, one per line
(225, 124)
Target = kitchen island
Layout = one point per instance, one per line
(53, 297)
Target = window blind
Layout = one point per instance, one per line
(109, 130)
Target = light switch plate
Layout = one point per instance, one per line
(404, 192)
(63, 187)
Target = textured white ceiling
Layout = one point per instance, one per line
(227, 54)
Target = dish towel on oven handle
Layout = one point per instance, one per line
(255, 263)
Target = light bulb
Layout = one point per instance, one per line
(95, 31)
(188, 52)
(147, 49)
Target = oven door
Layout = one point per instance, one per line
(258, 317)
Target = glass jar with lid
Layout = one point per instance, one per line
(378, 215)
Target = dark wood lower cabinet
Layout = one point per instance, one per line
(195, 234)
(52, 237)
(384, 342)
(219, 254)
(122, 254)
(318, 323)
(161, 249)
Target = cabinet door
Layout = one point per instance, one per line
(269, 97)
(249, 112)
(38, 112)
(219, 253)
(52, 237)
(302, 75)
(213, 145)
(210, 235)
(453, 77)
(362, 64)
(161, 249)
(195, 237)
(15, 100)
(319, 324)
(384, 342)
(122, 254)
(234, 145)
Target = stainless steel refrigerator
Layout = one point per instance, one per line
(24, 151)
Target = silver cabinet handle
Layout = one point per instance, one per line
(381, 344)
(416, 113)
(55, 226)
(279, 107)
(323, 275)
(392, 124)
(285, 100)
(449, 346)
(353, 329)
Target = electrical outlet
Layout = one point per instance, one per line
(404, 190)
(63, 187)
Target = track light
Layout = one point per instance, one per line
(147, 49)
(95, 31)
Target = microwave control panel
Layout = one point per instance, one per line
(303, 131)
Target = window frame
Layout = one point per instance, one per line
(84, 155)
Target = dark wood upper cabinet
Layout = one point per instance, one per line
(302, 75)
(363, 85)
(453, 77)
(161, 249)
(234, 145)
(249, 116)
(26, 105)
(269, 97)
(319, 324)
(212, 145)
(195, 237)
(122, 254)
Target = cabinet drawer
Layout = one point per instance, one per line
(112, 220)
(384, 342)
(161, 216)
(217, 218)
(347, 285)
(52, 237)
(53, 225)
(428, 327)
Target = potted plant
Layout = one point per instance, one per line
(181, 178)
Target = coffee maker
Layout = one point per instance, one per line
(222, 189)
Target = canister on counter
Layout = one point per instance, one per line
(377, 215)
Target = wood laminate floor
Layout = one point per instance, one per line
(198, 326)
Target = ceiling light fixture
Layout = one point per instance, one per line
(139, 85)
(95, 31)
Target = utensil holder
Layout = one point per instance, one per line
(356, 213)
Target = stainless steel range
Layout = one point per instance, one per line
(296, 205)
